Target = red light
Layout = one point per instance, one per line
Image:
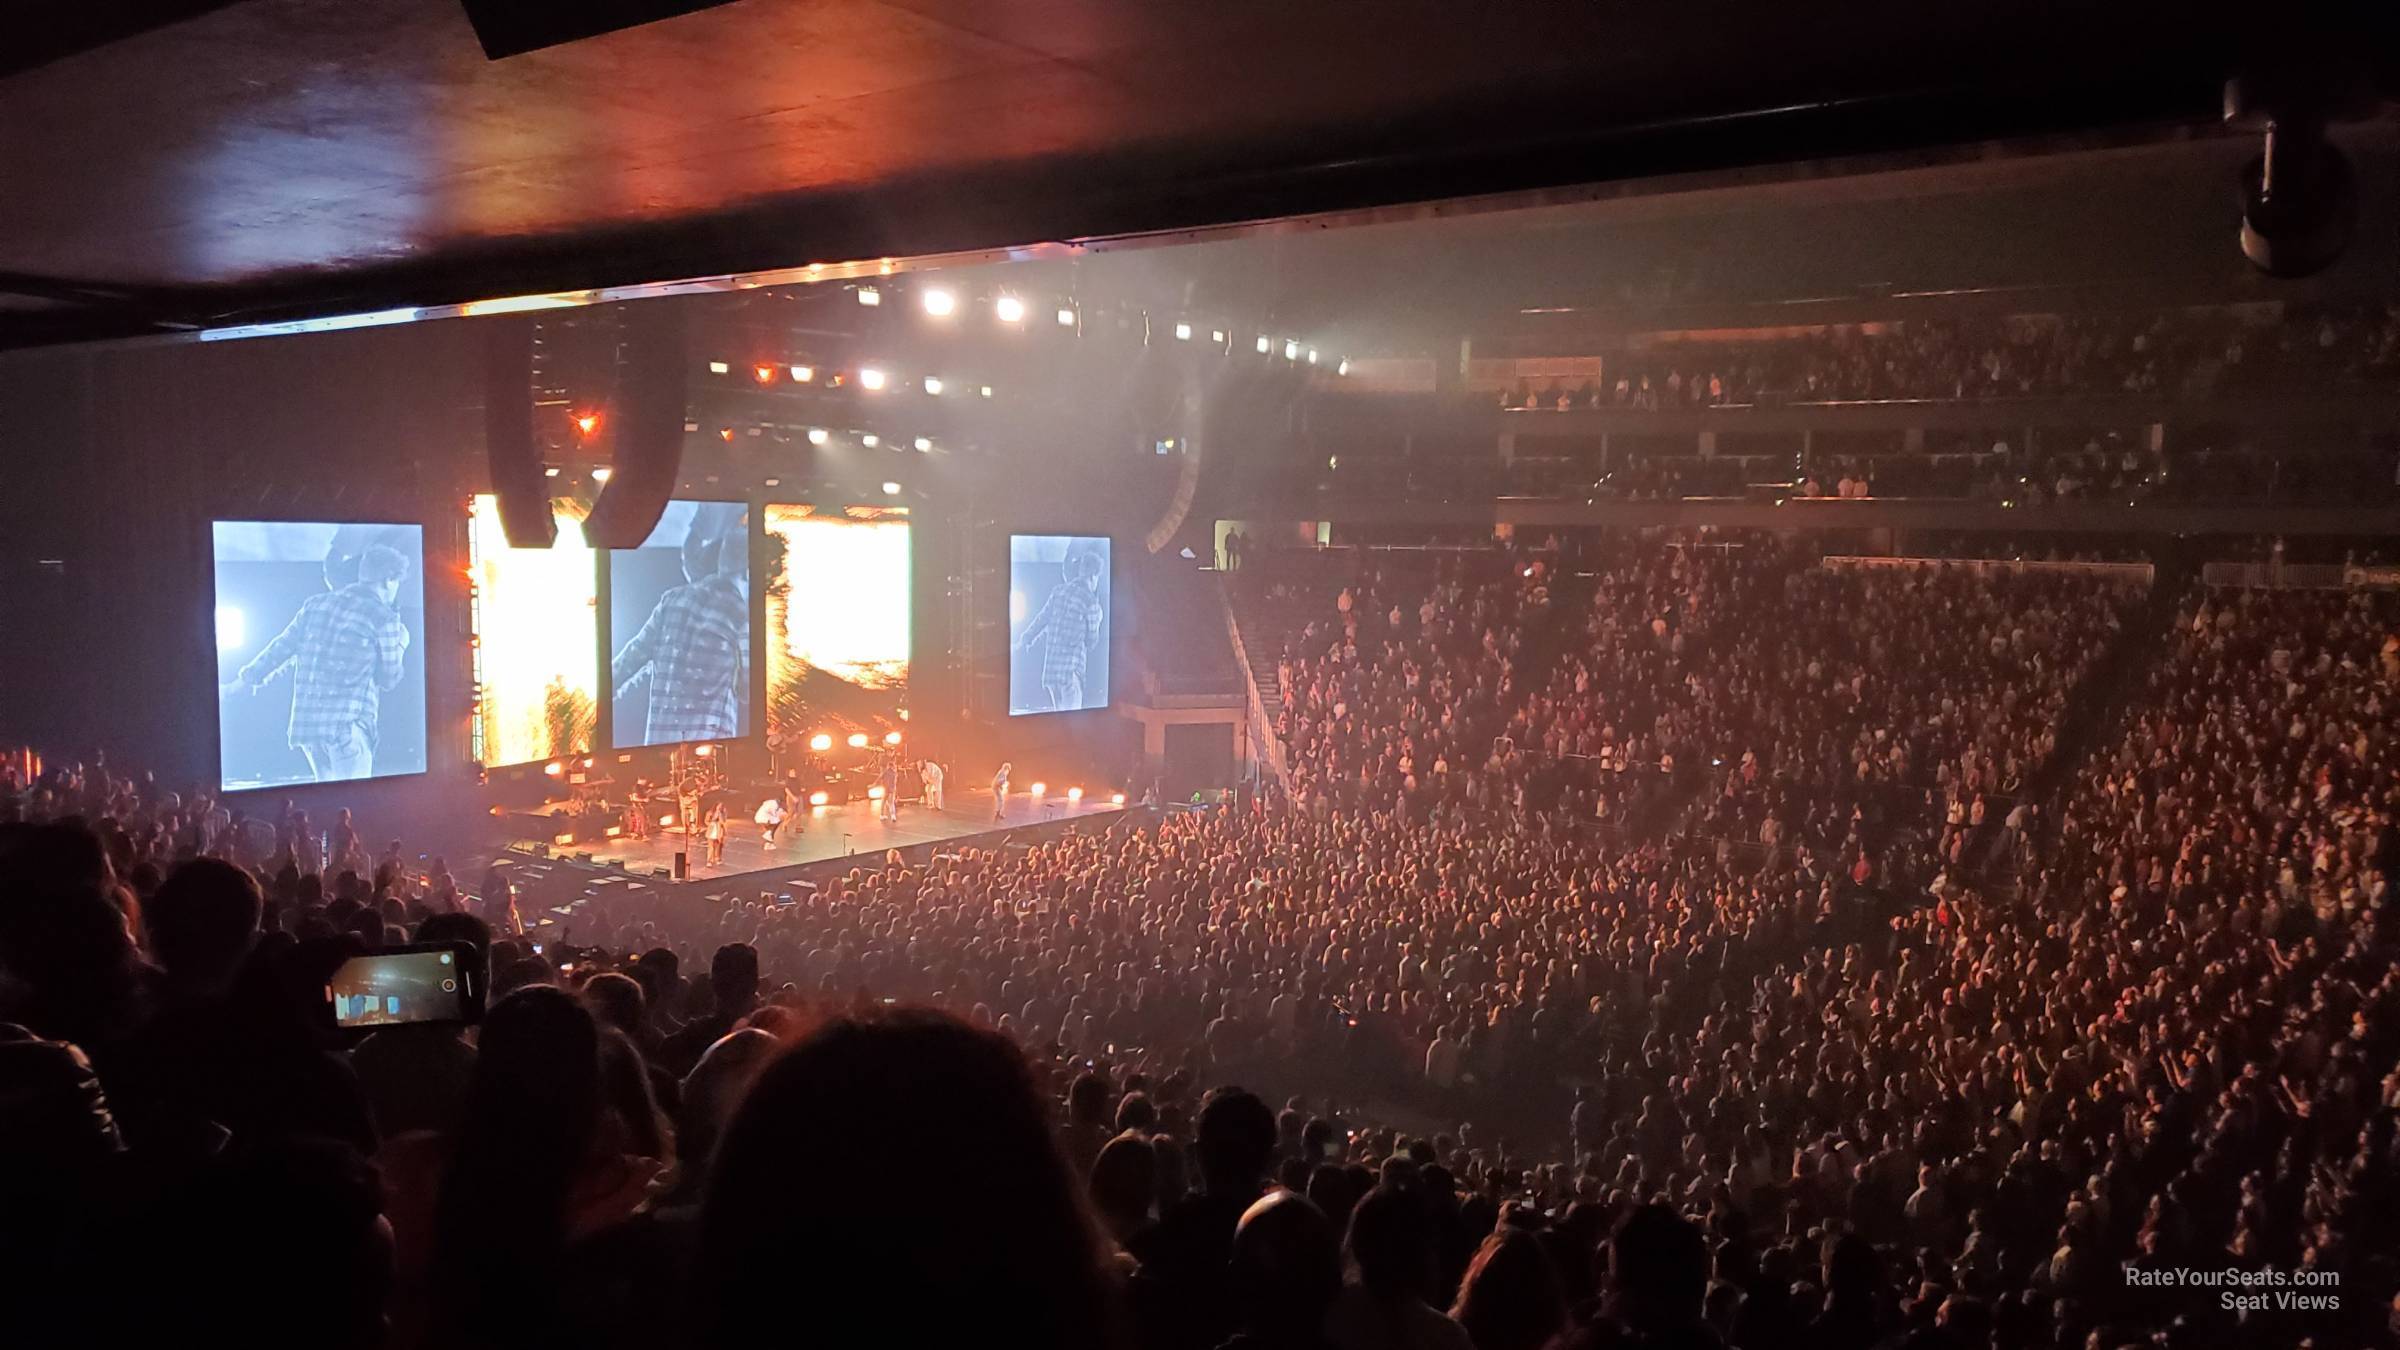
(588, 423)
(766, 374)
(724, 433)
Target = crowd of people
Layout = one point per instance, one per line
(1952, 360)
(1612, 973)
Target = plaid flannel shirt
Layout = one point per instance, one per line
(344, 649)
(695, 645)
(1070, 619)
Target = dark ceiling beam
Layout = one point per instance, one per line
(34, 33)
(1555, 140)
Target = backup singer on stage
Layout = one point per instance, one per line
(695, 647)
(345, 649)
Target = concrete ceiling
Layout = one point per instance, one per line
(271, 158)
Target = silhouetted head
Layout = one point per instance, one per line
(829, 1192)
(1286, 1269)
(203, 921)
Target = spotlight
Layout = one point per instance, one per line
(667, 819)
(1291, 351)
(819, 798)
(933, 384)
(1312, 356)
(551, 472)
(588, 423)
(858, 740)
(1183, 332)
(1074, 794)
(939, 303)
(875, 793)
(870, 440)
(765, 374)
(1040, 789)
(870, 379)
(724, 433)
(2299, 197)
(987, 391)
(869, 296)
(1066, 317)
(819, 435)
(704, 751)
(1343, 368)
(1009, 309)
(891, 738)
(923, 444)
(601, 474)
(820, 742)
(891, 489)
(804, 374)
(554, 768)
(1217, 336)
(1116, 799)
(718, 368)
(1263, 344)
(563, 840)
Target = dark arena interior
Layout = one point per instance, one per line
(1154, 675)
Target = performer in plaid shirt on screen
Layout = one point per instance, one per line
(694, 647)
(1070, 619)
(345, 649)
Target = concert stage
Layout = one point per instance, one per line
(821, 833)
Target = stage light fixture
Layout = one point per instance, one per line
(870, 379)
(923, 444)
(765, 374)
(1343, 368)
(1312, 356)
(1217, 336)
(588, 423)
(554, 768)
(820, 742)
(719, 368)
(1066, 317)
(891, 738)
(987, 391)
(1263, 344)
(613, 831)
(704, 751)
(858, 740)
(1291, 351)
(819, 435)
(939, 303)
(891, 489)
(563, 840)
(870, 440)
(1040, 789)
(551, 472)
(1116, 799)
(804, 374)
(667, 819)
(601, 474)
(724, 433)
(1009, 309)
(869, 296)
(933, 384)
(819, 797)
(875, 793)
(1183, 332)
(1074, 794)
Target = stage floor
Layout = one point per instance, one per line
(824, 832)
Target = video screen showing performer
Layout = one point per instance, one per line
(320, 658)
(679, 615)
(1058, 623)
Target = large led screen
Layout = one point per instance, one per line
(537, 641)
(838, 597)
(1058, 595)
(679, 624)
(320, 652)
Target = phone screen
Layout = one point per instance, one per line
(400, 987)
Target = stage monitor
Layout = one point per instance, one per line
(838, 620)
(320, 652)
(537, 641)
(679, 627)
(1058, 623)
